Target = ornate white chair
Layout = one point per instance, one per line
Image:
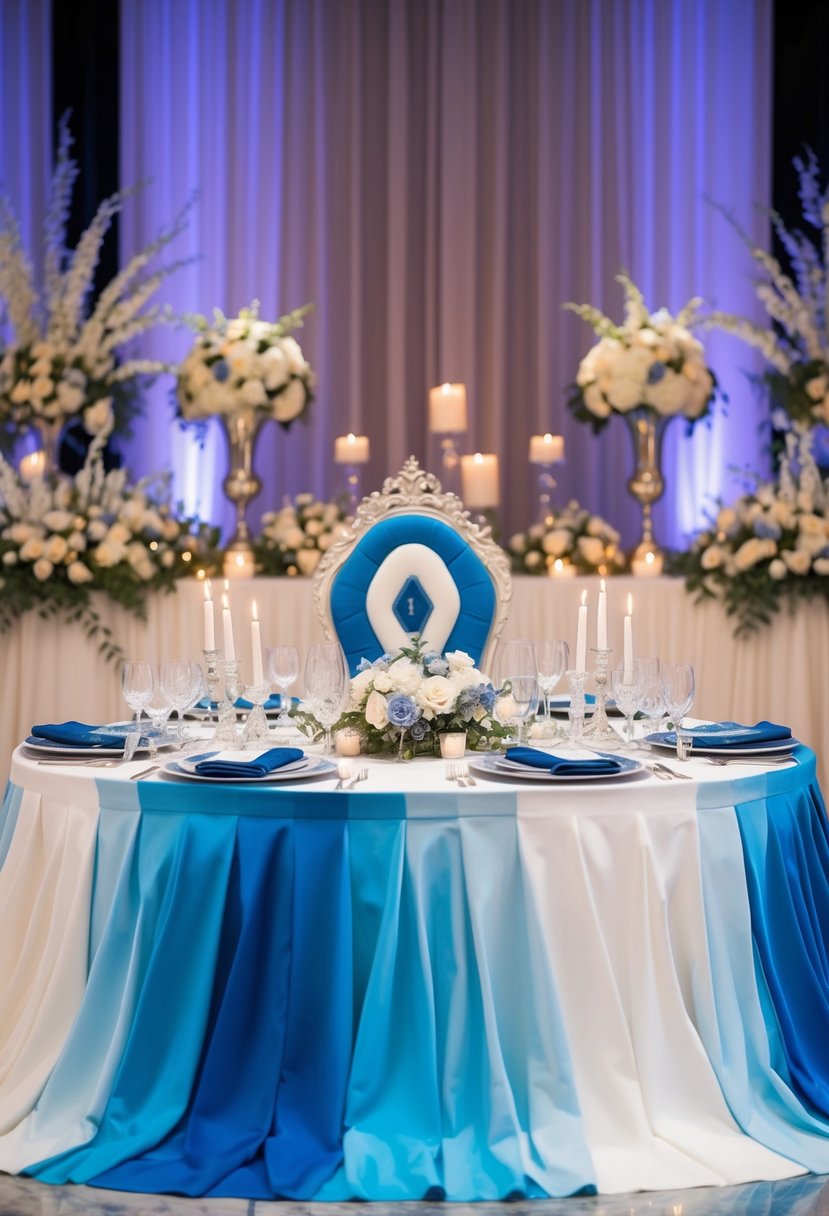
(413, 563)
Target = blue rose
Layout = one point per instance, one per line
(221, 370)
(402, 711)
(435, 664)
(419, 730)
(656, 373)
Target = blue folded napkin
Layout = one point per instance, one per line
(257, 766)
(733, 734)
(560, 766)
(77, 734)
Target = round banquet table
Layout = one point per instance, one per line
(410, 989)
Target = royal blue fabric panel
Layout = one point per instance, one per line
(348, 591)
(785, 840)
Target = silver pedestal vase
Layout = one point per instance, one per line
(647, 430)
(241, 483)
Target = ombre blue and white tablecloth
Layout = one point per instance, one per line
(412, 990)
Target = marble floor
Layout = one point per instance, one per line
(807, 1196)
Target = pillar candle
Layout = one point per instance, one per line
(32, 466)
(479, 474)
(447, 409)
(648, 566)
(209, 631)
(601, 618)
(256, 648)
(546, 449)
(627, 667)
(581, 636)
(227, 627)
(351, 449)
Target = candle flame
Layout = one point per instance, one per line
(650, 558)
(351, 437)
(558, 564)
(548, 437)
(630, 604)
(240, 560)
(446, 388)
(478, 458)
(254, 615)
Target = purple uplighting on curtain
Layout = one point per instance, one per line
(438, 178)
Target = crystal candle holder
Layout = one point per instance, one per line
(577, 681)
(598, 732)
(257, 731)
(227, 729)
(213, 681)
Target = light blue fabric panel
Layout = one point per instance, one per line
(8, 818)
(348, 591)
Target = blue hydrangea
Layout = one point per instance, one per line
(365, 665)
(419, 730)
(221, 370)
(656, 373)
(402, 711)
(435, 664)
(767, 528)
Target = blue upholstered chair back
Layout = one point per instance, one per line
(414, 565)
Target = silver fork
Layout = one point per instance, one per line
(667, 774)
(360, 775)
(463, 774)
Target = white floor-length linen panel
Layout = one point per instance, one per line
(439, 177)
(53, 673)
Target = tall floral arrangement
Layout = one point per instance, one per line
(771, 546)
(795, 338)
(245, 364)
(63, 538)
(65, 360)
(651, 360)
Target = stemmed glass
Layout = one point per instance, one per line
(137, 684)
(283, 669)
(516, 673)
(552, 660)
(626, 689)
(326, 685)
(651, 694)
(678, 687)
(159, 707)
(183, 683)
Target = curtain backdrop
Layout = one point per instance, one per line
(438, 177)
(26, 116)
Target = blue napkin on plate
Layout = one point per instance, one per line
(733, 734)
(257, 766)
(77, 734)
(560, 766)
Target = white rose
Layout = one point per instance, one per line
(821, 566)
(437, 694)
(359, 686)
(170, 529)
(376, 713)
(518, 543)
(557, 542)
(591, 549)
(108, 554)
(42, 387)
(325, 540)
(752, 551)
(118, 533)
(79, 573)
(595, 402)
(458, 660)
(313, 527)
(294, 356)
(532, 560)
(43, 350)
(41, 367)
(56, 549)
(817, 387)
(307, 560)
(712, 557)
(293, 537)
(76, 541)
(70, 397)
(32, 549)
(253, 393)
(506, 708)
(382, 681)
(290, 403)
(805, 501)
(20, 532)
(21, 392)
(58, 521)
(797, 562)
(726, 519)
(42, 569)
(777, 569)
(782, 513)
(96, 530)
(10, 558)
(276, 368)
(405, 676)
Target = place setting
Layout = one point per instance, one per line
(233, 766)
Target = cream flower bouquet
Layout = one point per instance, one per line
(573, 536)
(650, 360)
(293, 539)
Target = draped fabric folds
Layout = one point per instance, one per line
(212, 990)
(439, 177)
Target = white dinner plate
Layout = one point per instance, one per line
(781, 748)
(494, 766)
(316, 766)
(50, 747)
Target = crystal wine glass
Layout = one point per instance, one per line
(678, 686)
(182, 681)
(626, 689)
(137, 684)
(283, 669)
(651, 694)
(159, 707)
(326, 685)
(516, 673)
(552, 660)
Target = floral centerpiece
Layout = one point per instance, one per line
(649, 369)
(401, 703)
(63, 538)
(245, 363)
(772, 545)
(573, 537)
(293, 539)
(795, 339)
(64, 361)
